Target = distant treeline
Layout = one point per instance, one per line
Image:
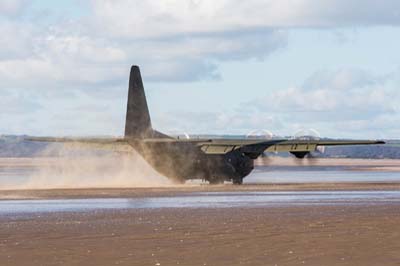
(391, 150)
(17, 146)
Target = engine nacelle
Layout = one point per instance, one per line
(300, 154)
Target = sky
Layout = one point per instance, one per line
(216, 67)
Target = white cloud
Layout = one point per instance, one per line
(341, 100)
(341, 103)
(345, 90)
(171, 17)
(17, 40)
(12, 7)
(81, 53)
(185, 41)
(174, 40)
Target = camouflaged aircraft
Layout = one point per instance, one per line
(213, 160)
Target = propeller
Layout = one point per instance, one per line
(178, 134)
(310, 134)
(307, 134)
(260, 134)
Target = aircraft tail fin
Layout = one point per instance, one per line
(138, 123)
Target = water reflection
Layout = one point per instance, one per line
(203, 200)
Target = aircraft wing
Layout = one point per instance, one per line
(250, 147)
(311, 145)
(254, 148)
(77, 140)
(114, 144)
(208, 146)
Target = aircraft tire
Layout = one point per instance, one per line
(238, 181)
(216, 181)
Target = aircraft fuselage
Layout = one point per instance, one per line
(183, 161)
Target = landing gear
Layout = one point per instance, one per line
(216, 181)
(237, 181)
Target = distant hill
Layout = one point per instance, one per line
(391, 150)
(16, 146)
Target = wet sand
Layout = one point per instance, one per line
(309, 235)
(263, 161)
(85, 193)
(363, 231)
(334, 228)
(346, 163)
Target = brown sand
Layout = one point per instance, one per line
(309, 235)
(127, 172)
(280, 161)
(276, 161)
(185, 189)
(304, 235)
(392, 165)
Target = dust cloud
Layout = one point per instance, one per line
(86, 168)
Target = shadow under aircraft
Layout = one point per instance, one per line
(214, 160)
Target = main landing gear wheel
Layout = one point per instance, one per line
(216, 181)
(238, 181)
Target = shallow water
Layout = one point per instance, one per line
(14, 177)
(316, 174)
(203, 200)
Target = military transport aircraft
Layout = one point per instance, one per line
(214, 160)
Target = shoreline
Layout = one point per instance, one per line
(275, 160)
(83, 193)
(310, 235)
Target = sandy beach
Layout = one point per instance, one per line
(309, 235)
(350, 223)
